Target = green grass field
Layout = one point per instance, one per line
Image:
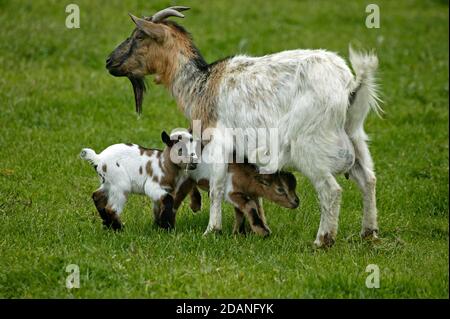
(57, 97)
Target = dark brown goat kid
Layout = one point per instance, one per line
(245, 190)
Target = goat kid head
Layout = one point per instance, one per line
(182, 148)
(154, 47)
(280, 188)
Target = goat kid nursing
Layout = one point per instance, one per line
(244, 189)
(129, 168)
(310, 96)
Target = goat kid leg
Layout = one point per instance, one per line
(362, 173)
(156, 211)
(196, 200)
(167, 214)
(163, 204)
(183, 190)
(239, 222)
(261, 212)
(330, 199)
(109, 208)
(250, 208)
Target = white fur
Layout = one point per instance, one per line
(204, 171)
(305, 94)
(120, 180)
(126, 172)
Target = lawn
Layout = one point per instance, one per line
(57, 97)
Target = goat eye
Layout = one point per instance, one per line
(280, 190)
(140, 36)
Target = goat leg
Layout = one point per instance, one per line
(196, 200)
(109, 217)
(239, 222)
(167, 214)
(250, 208)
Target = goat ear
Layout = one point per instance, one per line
(289, 179)
(153, 30)
(263, 179)
(166, 139)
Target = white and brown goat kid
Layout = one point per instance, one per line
(245, 188)
(131, 169)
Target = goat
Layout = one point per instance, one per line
(129, 168)
(310, 96)
(245, 188)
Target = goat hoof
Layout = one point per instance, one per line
(209, 231)
(264, 232)
(325, 241)
(239, 230)
(116, 226)
(195, 208)
(165, 225)
(370, 234)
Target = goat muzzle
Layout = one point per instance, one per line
(295, 203)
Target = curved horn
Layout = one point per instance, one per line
(179, 8)
(168, 12)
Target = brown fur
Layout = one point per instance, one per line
(147, 151)
(196, 200)
(170, 170)
(188, 187)
(205, 110)
(203, 184)
(108, 215)
(249, 207)
(239, 222)
(248, 189)
(165, 57)
(149, 168)
(161, 58)
(165, 215)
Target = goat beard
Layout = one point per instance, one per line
(138, 89)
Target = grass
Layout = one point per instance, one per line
(56, 97)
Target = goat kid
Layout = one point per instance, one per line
(245, 187)
(131, 169)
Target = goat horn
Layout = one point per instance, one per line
(179, 8)
(168, 12)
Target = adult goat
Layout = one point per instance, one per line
(310, 96)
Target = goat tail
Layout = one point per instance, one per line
(364, 95)
(89, 155)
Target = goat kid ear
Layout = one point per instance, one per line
(153, 30)
(166, 139)
(262, 179)
(290, 179)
